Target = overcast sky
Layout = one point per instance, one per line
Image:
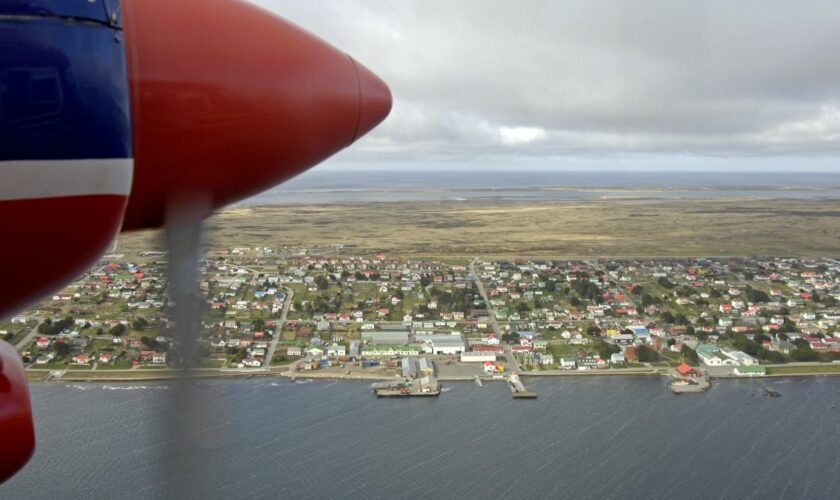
(594, 84)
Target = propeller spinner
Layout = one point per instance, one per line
(229, 100)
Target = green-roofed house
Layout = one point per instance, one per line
(750, 371)
(710, 355)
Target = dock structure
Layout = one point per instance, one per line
(518, 390)
(688, 381)
(425, 386)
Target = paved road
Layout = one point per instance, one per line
(512, 365)
(29, 336)
(278, 330)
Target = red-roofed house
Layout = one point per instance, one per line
(686, 371)
(81, 359)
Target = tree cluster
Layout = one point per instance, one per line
(50, 327)
(646, 354)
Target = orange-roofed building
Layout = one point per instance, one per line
(685, 370)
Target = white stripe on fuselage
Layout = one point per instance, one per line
(32, 179)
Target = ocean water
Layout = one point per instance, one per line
(599, 437)
(341, 186)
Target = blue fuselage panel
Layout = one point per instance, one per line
(91, 10)
(63, 86)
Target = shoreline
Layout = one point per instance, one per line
(165, 375)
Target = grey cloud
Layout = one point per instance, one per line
(549, 78)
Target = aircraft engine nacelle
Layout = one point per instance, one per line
(229, 100)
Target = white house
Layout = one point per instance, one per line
(336, 350)
(568, 363)
(491, 339)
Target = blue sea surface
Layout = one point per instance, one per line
(343, 186)
(593, 437)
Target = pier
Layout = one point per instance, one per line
(518, 390)
(425, 386)
(691, 381)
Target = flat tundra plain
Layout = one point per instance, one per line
(556, 229)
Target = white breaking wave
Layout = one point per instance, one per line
(134, 387)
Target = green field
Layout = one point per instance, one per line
(804, 370)
(561, 349)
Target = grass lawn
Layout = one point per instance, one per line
(673, 358)
(53, 366)
(18, 336)
(108, 374)
(210, 363)
(562, 349)
(364, 291)
(120, 364)
(803, 370)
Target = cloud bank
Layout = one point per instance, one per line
(479, 81)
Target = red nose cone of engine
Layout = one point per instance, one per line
(229, 100)
(375, 100)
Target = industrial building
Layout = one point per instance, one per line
(477, 357)
(444, 344)
(710, 355)
(410, 367)
(426, 366)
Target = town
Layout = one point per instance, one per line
(379, 317)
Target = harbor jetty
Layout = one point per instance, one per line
(427, 386)
(686, 380)
(517, 388)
